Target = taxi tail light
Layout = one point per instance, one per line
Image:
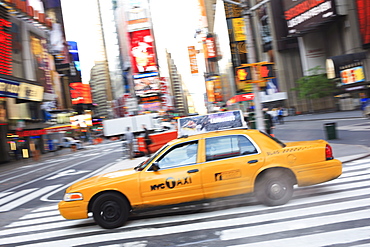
(329, 152)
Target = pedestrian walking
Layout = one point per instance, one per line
(274, 115)
(34, 151)
(280, 115)
(269, 123)
(50, 145)
(147, 140)
(129, 136)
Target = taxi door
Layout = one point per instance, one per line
(178, 178)
(230, 162)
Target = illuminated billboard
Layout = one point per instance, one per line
(304, 15)
(142, 52)
(80, 93)
(138, 15)
(81, 121)
(214, 89)
(5, 43)
(193, 59)
(352, 75)
(363, 12)
(211, 49)
(40, 59)
(146, 85)
(73, 50)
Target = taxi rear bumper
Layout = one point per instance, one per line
(319, 172)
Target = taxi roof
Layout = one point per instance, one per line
(213, 134)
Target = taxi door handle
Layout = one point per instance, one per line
(252, 161)
(193, 171)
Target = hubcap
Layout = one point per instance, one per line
(110, 211)
(277, 191)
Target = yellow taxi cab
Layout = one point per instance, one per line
(204, 166)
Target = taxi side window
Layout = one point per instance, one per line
(246, 146)
(183, 154)
(228, 146)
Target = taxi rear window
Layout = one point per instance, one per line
(274, 139)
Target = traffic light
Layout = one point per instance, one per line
(266, 71)
(244, 73)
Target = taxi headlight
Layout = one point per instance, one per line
(72, 197)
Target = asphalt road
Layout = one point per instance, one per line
(36, 184)
(335, 213)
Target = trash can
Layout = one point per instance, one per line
(331, 131)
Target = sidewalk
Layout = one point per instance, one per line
(325, 116)
(346, 151)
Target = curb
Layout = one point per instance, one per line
(350, 158)
(319, 119)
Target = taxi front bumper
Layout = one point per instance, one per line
(73, 210)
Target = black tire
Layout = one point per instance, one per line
(110, 210)
(274, 188)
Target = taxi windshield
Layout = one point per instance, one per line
(143, 164)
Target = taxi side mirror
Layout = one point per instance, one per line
(155, 166)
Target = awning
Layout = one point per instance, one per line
(239, 98)
(336, 63)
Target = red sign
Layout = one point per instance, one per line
(211, 48)
(240, 97)
(307, 14)
(31, 133)
(5, 45)
(142, 52)
(364, 21)
(80, 93)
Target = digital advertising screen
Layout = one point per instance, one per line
(142, 51)
(81, 121)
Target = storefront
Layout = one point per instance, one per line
(13, 114)
(353, 84)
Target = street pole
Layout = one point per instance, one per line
(252, 58)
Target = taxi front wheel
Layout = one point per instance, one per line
(110, 210)
(274, 188)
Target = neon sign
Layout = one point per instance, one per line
(5, 43)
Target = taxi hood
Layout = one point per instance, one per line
(103, 179)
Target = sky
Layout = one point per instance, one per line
(174, 31)
(80, 27)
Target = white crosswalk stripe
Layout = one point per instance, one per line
(8, 203)
(332, 213)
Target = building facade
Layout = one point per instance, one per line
(298, 36)
(33, 58)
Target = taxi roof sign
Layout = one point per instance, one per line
(211, 122)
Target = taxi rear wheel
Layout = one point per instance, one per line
(274, 188)
(110, 210)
